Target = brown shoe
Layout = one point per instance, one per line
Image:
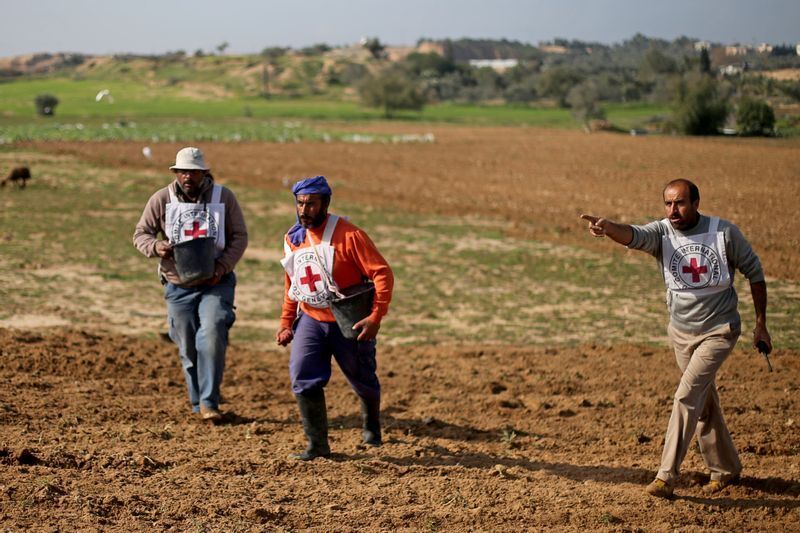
(659, 488)
(717, 485)
(210, 414)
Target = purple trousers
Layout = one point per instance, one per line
(310, 360)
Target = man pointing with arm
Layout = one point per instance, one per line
(698, 255)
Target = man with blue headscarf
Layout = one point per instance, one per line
(325, 256)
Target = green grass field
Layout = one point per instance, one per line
(138, 101)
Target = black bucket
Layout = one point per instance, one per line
(194, 259)
(353, 307)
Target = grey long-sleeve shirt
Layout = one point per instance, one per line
(697, 314)
(152, 221)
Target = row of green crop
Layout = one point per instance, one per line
(171, 131)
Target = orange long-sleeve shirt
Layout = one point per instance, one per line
(355, 256)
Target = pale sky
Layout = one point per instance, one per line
(158, 26)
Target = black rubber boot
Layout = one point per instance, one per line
(371, 421)
(315, 425)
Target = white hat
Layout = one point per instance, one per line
(189, 158)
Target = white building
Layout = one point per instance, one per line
(496, 64)
(764, 48)
(737, 50)
(730, 70)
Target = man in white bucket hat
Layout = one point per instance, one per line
(200, 308)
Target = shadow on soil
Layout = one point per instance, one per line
(432, 456)
(742, 503)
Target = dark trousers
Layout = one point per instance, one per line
(310, 361)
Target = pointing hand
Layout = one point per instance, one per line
(597, 225)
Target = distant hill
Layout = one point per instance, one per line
(39, 64)
(462, 50)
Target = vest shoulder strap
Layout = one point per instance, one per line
(216, 194)
(668, 226)
(327, 235)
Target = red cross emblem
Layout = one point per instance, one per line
(195, 232)
(695, 270)
(310, 279)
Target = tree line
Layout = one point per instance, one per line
(704, 96)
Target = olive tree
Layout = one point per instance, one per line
(375, 47)
(584, 99)
(393, 90)
(700, 107)
(755, 117)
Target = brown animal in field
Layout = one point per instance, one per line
(19, 175)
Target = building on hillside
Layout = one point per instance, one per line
(737, 50)
(764, 48)
(553, 49)
(797, 49)
(731, 70)
(499, 65)
(699, 46)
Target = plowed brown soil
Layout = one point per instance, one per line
(96, 434)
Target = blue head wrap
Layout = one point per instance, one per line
(315, 185)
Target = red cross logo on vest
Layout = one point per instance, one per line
(695, 270)
(195, 232)
(311, 279)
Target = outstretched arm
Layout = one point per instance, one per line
(760, 332)
(600, 227)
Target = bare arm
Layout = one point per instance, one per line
(601, 227)
(760, 332)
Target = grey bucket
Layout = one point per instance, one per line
(194, 259)
(354, 306)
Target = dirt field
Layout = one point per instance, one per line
(95, 431)
(96, 435)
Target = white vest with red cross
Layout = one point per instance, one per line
(310, 269)
(695, 264)
(185, 221)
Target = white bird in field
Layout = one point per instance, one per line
(105, 93)
(147, 152)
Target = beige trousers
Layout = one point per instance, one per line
(696, 408)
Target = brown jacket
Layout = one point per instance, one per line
(151, 224)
